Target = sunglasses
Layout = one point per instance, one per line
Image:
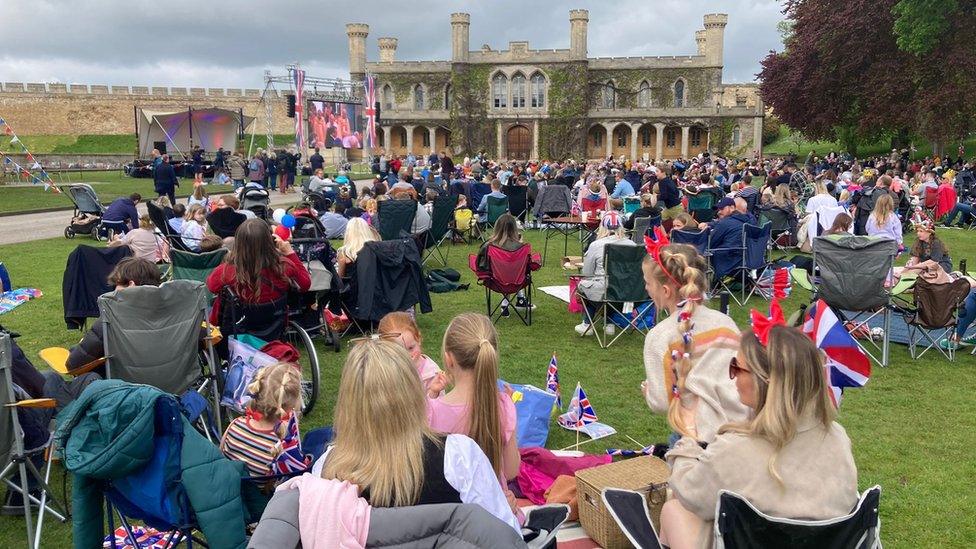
(734, 368)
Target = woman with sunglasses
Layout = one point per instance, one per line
(791, 459)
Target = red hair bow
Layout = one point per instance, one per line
(761, 325)
(655, 244)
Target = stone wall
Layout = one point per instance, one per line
(56, 109)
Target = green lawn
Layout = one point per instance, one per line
(913, 427)
(786, 143)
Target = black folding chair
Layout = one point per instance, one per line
(440, 228)
(396, 218)
(517, 201)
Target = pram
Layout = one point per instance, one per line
(257, 200)
(87, 217)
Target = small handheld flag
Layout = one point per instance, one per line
(580, 412)
(846, 363)
(552, 382)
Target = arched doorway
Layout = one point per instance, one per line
(518, 143)
(596, 146)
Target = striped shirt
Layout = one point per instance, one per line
(255, 447)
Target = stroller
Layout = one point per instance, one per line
(257, 200)
(87, 217)
(308, 308)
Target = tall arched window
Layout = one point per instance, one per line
(644, 95)
(736, 136)
(387, 97)
(447, 97)
(499, 91)
(609, 96)
(538, 90)
(679, 93)
(518, 91)
(418, 97)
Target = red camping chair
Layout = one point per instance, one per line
(509, 272)
(593, 209)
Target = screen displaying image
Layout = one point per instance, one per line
(335, 125)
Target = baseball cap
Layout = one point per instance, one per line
(725, 203)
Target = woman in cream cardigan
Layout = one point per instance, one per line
(790, 460)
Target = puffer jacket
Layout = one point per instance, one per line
(108, 434)
(461, 525)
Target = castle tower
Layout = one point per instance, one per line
(715, 38)
(460, 28)
(388, 48)
(578, 20)
(357, 33)
(700, 38)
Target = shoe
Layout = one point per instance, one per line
(464, 286)
(523, 303)
(584, 329)
(948, 345)
(505, 312)
(610, 329)
(971, 340)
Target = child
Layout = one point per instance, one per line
(401, 326)
(194, 227)
(199, 196)
(474, 406)
(884, 221)
(259, 437)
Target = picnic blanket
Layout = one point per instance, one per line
(14, 298)
(559, 292)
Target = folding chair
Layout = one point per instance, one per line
(509, 273)
(631, 204)
(641, 226)
(494, 208)
(701, 206)
(629, 510)
(783, 230)
(225, 221)
(518, 201)
(19, 470)
(440, 228)
(158, 217)
(728, 267)
(936, 309)
(698, 239)
(624, 296)
(930, 201)
(477, 191)
(152, 337)
(196, 266)
(738, 524)
(395, 218)
(853, 275)
(756, 243)
(553, 202)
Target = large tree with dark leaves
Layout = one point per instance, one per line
(855, 70)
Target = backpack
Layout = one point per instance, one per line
(254, 166)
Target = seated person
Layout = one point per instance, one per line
(358, 233)
(594, 284)
(742, 207)
(685, 222)
(179, 215)
(496, 192)
(122, 213)
(648, 208)
(421, 220)
(334, 221)
(726, 240)
(507, 237)
(131, 271)
(194, 227)
(622, 187)
(319, 183)
(231, 201)
(225, 220)
(594, 191)
(929, 256)
(790, 460)
(379, 382)
(144, 242)
(257, 437)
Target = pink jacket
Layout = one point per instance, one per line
(330, 513)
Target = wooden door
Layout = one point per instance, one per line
(518, 143)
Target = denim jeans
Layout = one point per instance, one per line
(967, 213)
(968, 316)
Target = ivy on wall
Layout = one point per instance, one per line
(720, 137)
(563, 134)
(471, 131)
(627, 85)
(403, 84)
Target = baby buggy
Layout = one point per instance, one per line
(87, 217)
(258, 200)
(308, 308)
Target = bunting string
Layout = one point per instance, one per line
(35, 179)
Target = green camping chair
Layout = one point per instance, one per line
(624, 296)
(701, 206)
(440, 228)
(193, 266)
(495, 208)
(395, 218)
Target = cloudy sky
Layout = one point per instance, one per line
(214, 43)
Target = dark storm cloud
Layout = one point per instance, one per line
(223, 44)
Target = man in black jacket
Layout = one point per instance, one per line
(164, 180)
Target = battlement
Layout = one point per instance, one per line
(409, 66)
(56, 88)
(647, 62)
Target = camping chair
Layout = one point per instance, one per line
(701, 206)
(930, 202)
(783, 230)
(738, 524)
(641, 226)
(936, 309)
(440, 228)
(624, 297)
(629, 510)
(196, 266)
(463, 222)
(152, 337)
(698, 239)
(225, 221)
(631, 204)
(727, 266)
(509, 273)
(476, 191)
(852, 275)
(554, 201)
(19, 471)
(494, 208)
(158, 217)
(518, 201)
(756, 241)
(395, 218)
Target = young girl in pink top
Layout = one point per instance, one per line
(401, 326)
(474, 406)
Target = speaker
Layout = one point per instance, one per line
(377, 109)
(160, 146)
(291, 106)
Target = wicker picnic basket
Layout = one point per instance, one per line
(645, 474)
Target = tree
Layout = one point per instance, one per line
(843, 76)
(921, 24)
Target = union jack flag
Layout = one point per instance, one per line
(846, 364)
(552, 382)
(370, 111)
(291, 459)
(298, 78)
(580, 412)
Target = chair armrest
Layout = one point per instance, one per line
(57, 359)
(802, 279)
(33, 403)
(905, 283)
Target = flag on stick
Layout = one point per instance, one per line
(846, 364)
(552, 381)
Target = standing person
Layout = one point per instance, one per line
(789, 458)
(255, 170)
(271, 172)
(164, 179)
(220, 158)
(197, 156)
(686, 355)
(291, 170)
(316, 162)
(236, 165)
(668, 196)
(447, 166)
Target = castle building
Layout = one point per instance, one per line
(523, 103)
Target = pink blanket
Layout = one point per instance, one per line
(540, 467)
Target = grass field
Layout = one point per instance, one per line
(786, 143)
(912, 427)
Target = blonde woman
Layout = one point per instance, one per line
(883, 220)
(822, 198)
(594, 284)
(380, 413)
(686, 354)
(358, 233)
(790, 459)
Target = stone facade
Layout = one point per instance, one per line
(54, 109)
(523, 103)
